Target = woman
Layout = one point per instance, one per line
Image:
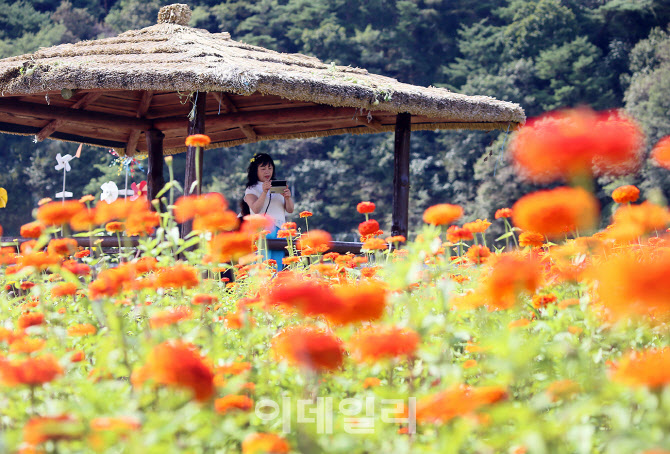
(260, 173)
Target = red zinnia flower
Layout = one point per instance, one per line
(176, 363)
(383, 342)
(368, 227)
(569, 143)
(309, 347)
(365, 207)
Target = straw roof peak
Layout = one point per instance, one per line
(137, 80)
(177, 13)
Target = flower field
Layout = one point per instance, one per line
(552, 338)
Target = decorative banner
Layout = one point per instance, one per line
(110, 192)
(63, 163)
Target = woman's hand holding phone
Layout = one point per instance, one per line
(266, 186)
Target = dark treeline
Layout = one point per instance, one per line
(543, 54)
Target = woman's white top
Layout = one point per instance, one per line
(275, 209)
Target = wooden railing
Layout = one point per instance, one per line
(111, 242)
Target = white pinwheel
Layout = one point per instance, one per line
(64, 162)
(110, 192)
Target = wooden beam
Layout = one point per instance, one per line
(263, 117)
(134, 136)
(403, 130)
(155, 180)
(230, 107)
(249, 132)
(370, 122)
(53, 125)
(100, 119)
(225, 102)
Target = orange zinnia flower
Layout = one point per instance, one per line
(374, 244)
(74, 267)
(204, 299)
(361, 302)
(477, 226)
(503, 213)
(142, 223)
(365, 207)
(540, 301)
(478, 254)
(32, 230)
(170, 316)
(265, 443)
(232, 402)
(532, 239)
(457, 234)
(649, 368)
(661, 152)
(114, 226)
(309, 347)
(39, 260)
(305, 214)
(30, 371)
(188, 207)
(84, 221)
(442, 214)
(41, 429)
(371, 382)
(198, 140)
(30, 319)
(368, 227)
(383, 342)
(177, 276)
(118, 424)
(58, 213)
(556, 212)
(511, 274)
(218, 221)
(119, 210)
(82, 329)
(459, 400)
(62, 246)
(179, 364)
(225, 247)
(570, 143)
(633, 221)
(314, 240)
(635, 284)
(626, 194)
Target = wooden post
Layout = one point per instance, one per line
(195, 126)
(155, 180)
(403, 130)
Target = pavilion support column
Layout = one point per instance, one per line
(155, 180)
(403, 130)
(195, 126)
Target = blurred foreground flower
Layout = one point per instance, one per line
(566, 144)
(556, 212)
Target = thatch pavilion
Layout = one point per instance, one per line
(145, 90)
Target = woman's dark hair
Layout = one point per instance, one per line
(244, 209)
(258, 160)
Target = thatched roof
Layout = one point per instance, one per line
(106, 92)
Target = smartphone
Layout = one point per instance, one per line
(278, 186)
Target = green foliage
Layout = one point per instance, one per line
(543, 54)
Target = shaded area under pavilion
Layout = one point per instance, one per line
(146, 90)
